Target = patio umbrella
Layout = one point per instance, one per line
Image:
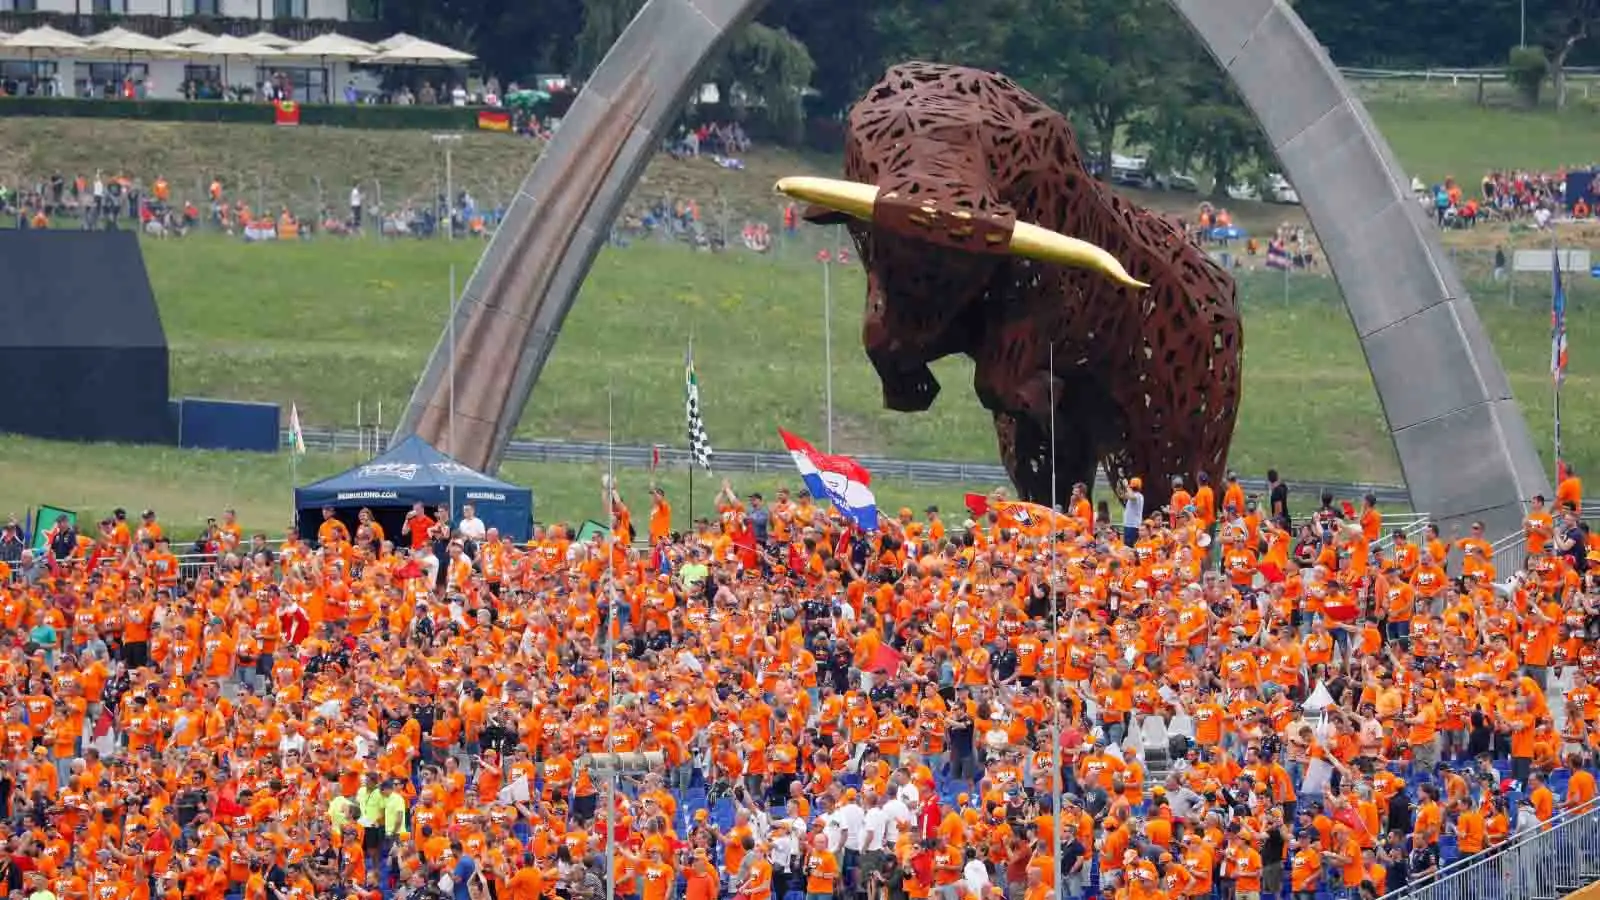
(421, 53)
(275, 41)
(393, 41)
(121, 44)
(43, 41)
(331, 46)
(228, 47)
(188, 37)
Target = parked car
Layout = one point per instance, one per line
(1174, 181)
(1279, 190)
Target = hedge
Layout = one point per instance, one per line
(336, 115)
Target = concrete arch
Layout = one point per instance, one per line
(1463, 445)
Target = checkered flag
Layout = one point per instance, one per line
(699, 444)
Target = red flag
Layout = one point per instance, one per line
(843, 257)
(412, 569)
(286, 112)
(655, 457)
(885, 659)
(978, 505)
(822, 256)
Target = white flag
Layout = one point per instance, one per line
(297, 437)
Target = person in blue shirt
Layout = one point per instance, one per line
(466, 868)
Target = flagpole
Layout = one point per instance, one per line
(1055, 635)
(690, 529)
(827, 343)
(611, 678)
(1558, 322)
(452, 367)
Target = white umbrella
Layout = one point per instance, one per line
(188, 37)
(276, 42)
(131, 43)
(229, 47)
(43, 40)
(393, 41)
(226, 45)
(334, 46)
(424, 53)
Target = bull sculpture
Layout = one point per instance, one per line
(961, 190)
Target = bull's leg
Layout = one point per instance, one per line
(1025, 452)
(908, 385)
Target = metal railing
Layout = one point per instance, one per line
(1541, 863)
(756, 461)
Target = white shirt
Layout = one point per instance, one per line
(853, 820)
(875, 825)
(1133, 510)
(833, 831)
(472, 529)
(898, 815)
(976, 875)
(909, 795)
(355, 196)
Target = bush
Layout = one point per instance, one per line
(422, 118)
(1526, 72)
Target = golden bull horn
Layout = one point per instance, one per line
(1029, 241)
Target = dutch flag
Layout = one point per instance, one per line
(839, 479)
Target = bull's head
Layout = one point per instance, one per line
(988, 232)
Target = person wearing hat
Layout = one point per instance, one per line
(1131, 495)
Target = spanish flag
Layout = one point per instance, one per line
(287, 112)
(494, 120)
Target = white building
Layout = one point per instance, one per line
(239, 9)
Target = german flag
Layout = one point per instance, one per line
(286, 112)
(494, 120)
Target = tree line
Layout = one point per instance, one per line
(1122, 69)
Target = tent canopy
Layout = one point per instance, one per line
(394, 40)
(414, 471)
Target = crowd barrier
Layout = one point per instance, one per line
(1546, 862)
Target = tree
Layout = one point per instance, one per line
(603, 22)
(1099, 61)
(1200, 120)
(769, 71)
(1561, 29)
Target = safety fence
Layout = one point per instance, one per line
(1544, 862)
(756, 461)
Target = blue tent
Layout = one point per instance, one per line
(414, 471)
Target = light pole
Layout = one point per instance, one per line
(448, 141)
(1522, 40)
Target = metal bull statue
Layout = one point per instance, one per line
(982, 233)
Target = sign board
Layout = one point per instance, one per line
(1540, 261)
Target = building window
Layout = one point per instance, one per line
(289, 9)
(22, 77)
(19, 5)
(106, 79)
(102, 7)
(202, 7)
(202, 82)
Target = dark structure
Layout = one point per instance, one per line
(82, 353)
(1147, 381)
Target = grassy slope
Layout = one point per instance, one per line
(296, 322)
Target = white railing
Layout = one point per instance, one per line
(1549, 861)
